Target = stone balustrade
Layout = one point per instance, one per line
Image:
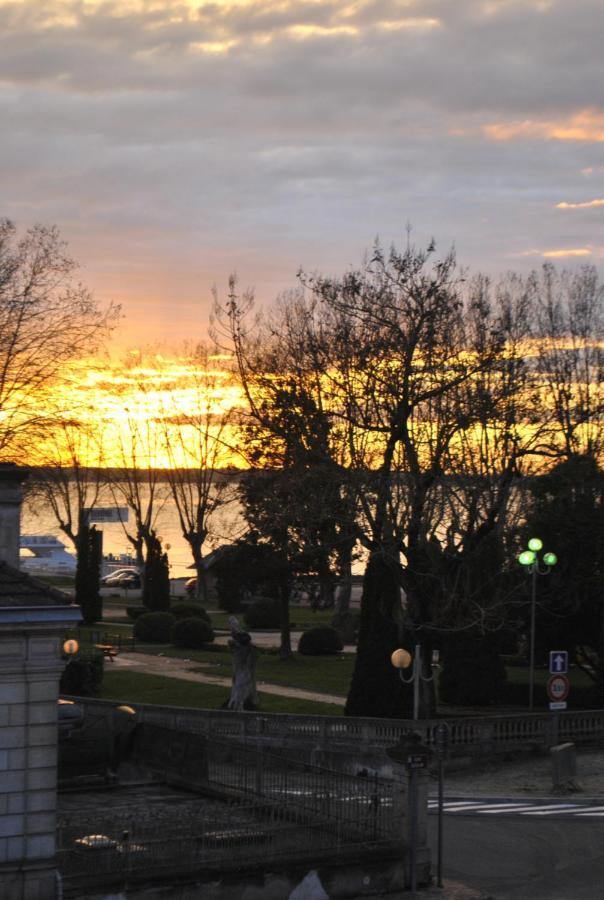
(472, 734)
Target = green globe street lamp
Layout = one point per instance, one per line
(530, 560)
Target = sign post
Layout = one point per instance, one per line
(441, 740)
(558, 662)
(413, 755)
(415, 761)
(558, 685)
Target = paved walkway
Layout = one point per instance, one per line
(186, 670)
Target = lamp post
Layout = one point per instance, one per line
(530, 560)
(402, 659)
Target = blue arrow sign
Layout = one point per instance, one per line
(558, 662)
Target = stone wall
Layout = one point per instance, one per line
(11, 496)
(30, 668)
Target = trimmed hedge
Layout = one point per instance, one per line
(320, 641)
(263, 613)
(154, 627)
(190, 611)
(192, 633)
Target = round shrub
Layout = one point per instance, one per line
(189, 611)
(135, 612)
(263, 613)
(320, 641)
(191, 633)
(154, 627)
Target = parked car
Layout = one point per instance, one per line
(127, 570)
(128, 579)
(191, 587)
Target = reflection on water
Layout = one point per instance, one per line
(226, 526)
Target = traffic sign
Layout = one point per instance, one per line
(557, 704)
(417, 761)
(558, 662)
(558, 687)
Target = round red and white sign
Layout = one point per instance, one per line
(558, 687)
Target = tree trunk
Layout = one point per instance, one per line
(243, 690)
(376, 689)
(201, 591)
(285, 649)
(344, 594)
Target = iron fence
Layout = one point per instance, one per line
(254, 808)
(355, 806)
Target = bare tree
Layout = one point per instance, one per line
(195, 424)
(570, 356)
(309, 507)
(47, 320)
(70, 473)
(138, 479)
(394, 347)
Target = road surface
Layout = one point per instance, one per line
(533, 852)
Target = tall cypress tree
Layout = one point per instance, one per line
(156, 580)
(88, 573)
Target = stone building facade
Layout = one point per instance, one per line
(33, 618)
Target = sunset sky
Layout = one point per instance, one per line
(173, 142)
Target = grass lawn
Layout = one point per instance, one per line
(322, 674)
(140, 688)
(301, 617)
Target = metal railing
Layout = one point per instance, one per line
(356, 807)
(495, 733)
(258, 808)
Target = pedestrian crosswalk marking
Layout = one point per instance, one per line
(509, 807)
(551, 810)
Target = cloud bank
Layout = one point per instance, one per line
(173, 142)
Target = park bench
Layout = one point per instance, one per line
(109, 651)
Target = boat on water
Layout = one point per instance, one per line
(45, 554)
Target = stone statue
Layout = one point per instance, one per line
(243, 690)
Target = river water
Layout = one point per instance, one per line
(226, 526)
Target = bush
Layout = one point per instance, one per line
(192, 633)
(263, 613)
(154, 627)
(134, 612)
(83, 675)
(320, 641)
(190, 611)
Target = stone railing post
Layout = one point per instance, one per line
(30, 668)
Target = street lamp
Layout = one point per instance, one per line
(530, 560)
(70, 647)
(402, 659)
